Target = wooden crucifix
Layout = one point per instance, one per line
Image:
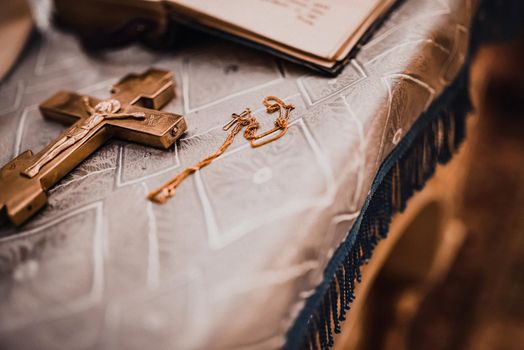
(130, 114)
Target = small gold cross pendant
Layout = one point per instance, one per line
(130, 114)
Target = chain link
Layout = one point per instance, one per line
(240, 121)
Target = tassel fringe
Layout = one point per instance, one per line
(431, 140)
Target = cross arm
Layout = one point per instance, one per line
(156, 129)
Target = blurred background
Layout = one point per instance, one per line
(451, 273)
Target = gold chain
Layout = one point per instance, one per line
(243, 120)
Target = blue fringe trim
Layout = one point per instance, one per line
(431, 140)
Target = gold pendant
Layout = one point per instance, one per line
(244, 120)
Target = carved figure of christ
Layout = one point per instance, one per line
(130, 114)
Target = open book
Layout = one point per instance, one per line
(321, 34)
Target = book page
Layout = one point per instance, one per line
(317, 27)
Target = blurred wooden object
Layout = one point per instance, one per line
(420, 247)
(466, 292)
(15, 26)
(102, 23)
(480, 304)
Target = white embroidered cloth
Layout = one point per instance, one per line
(230, 261)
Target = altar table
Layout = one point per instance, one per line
(259, 250)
